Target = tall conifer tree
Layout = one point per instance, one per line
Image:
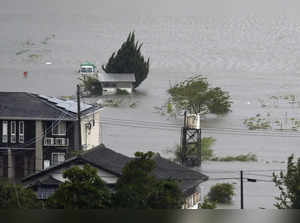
(129, 60)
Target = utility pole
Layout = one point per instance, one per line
(183, 140)
(242, 190)
(78, 117)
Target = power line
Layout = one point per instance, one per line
(179, 126)
(236, 171)
(176, 127)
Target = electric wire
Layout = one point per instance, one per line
(177, 127)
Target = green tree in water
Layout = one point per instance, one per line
(92, 86)
(196, 96)
(289, 186)
(129, 59)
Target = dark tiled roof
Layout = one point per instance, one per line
(49, 181)
(25, 105)
(30, 106)
(114, 162)
(166, 169)
(106, 159)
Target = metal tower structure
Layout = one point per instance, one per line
(191, 138)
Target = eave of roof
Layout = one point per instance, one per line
(116, 77)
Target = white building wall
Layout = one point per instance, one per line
(192, 201)
(90, 130)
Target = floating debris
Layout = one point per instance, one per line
(34, 56)
(22, 51)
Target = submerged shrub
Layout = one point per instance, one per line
(207, 204)
(92, 86)
(122, 92)
(242, 158)
(221, 193)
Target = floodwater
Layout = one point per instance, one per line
(248, 50)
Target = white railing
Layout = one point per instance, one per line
(56, 141)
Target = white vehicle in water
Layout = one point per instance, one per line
(88, 69)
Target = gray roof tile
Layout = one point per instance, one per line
(24, 105)
(114, 162)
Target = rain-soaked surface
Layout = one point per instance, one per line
(253, 57)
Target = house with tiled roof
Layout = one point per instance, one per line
(109, 165)
(38, 131)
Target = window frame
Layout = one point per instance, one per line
(57, 153)
(5, 136)
(59, 128)
(13, 134)
(21, 134)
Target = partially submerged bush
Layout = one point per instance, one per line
(207, 204)
(257, 122)
(221, 193)
(113, 102)
(207, 154)
(192, 150)
(122, 92)
(242, 158)
(92, 86)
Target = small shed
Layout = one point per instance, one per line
(88, 69)
(111, 82)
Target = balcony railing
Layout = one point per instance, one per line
(56, 141)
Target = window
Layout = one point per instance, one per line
(59, 128)
(44, 193)
(21, 132)
(46, 164)
(60, 141)
(4, 132)
(13, 129)
(109, 84)
(58, 158)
